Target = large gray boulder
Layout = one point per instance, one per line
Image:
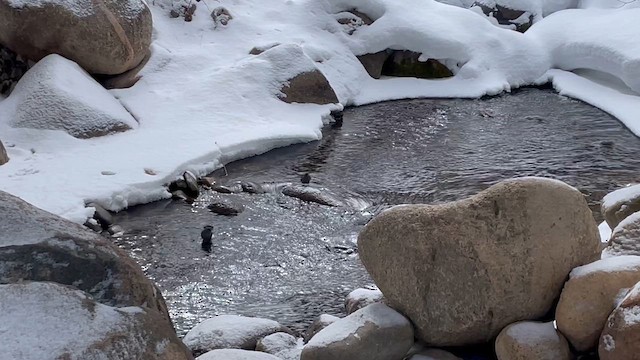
(462, 271)
(104, 37)
(36, 246)
(43, 320)
(375, 332)
(56, 94)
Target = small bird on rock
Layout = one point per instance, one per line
(306, 178)
(206, 235)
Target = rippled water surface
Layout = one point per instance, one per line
(291, 261)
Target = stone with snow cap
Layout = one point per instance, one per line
(617, 205)
(375, 332)
(359, 298)
(38, 246)
(283, 345)
(56, 94)
(433, 354)
(236, 354)
(464, 270)
(625, 238)
(104, 37)
(591, 294)
(42, 320)
(230, 332)
(528, 340)
(318, 324)
(620, 339)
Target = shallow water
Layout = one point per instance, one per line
(292, 261)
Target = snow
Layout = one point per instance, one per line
(204, 101)
(539, 8)
(81, 8)
(605, 232)
(379, 314)
(231, 354)
(229, 331)
(610, 264)
(45, 320)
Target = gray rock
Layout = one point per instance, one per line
(310, 194)
(406, 64)
(625, 238)
(359, 298)
(222, 189)
(309, 87)
(38, 246)
(375, 332)
(12, 67)
(191, 182)
(235, 354)
(373, 63)
(616, 206)
(462, 271)
(318, 324)
(251, 187)
(283, 345)
(433, 354)
(527, 340)
(230, 332)
(42, 320)
(104, 37)
(224, 207)
(102, 215)
(4, 158)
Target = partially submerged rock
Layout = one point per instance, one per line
(590, 295)
(517, 240)
(56, 94)
(375, 332)
(225, 207)
(528, 340)
(230, 332)
(310, 194)
(43, 320)
(103, 37)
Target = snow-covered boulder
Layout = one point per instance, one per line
(359, 298)
(594, 39)
(517, 240)
(230, 332)
(235, 354)
(318, 324)
(299, 79)
(39, 246)
(56, 94)
(283, 345)
(625, 238)
(375, 332)
(620, 338)
(590, 295)
(104, 37)
(617, 205)
(532, 341)
(4, 158)
(42, 320)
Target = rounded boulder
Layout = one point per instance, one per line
(462, 271)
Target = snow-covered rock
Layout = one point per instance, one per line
(42, 320)
(359, 298)
(518, 240)
(230, 332)
(601, 40)
(39, 246)
(532, 341)
(375, 332)
(283, 345)
(620, 339)
(56, 94)
(616, 206)
(318, 324)
(625, 239)
(590, 295)
(104, 37)
(235, 354)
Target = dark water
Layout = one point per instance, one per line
(292, 261)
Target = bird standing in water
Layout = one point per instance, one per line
(206, 235)
(306, 178)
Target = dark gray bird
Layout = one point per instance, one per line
(206, 235)
(306, 178)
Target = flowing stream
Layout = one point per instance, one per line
(288, 260)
